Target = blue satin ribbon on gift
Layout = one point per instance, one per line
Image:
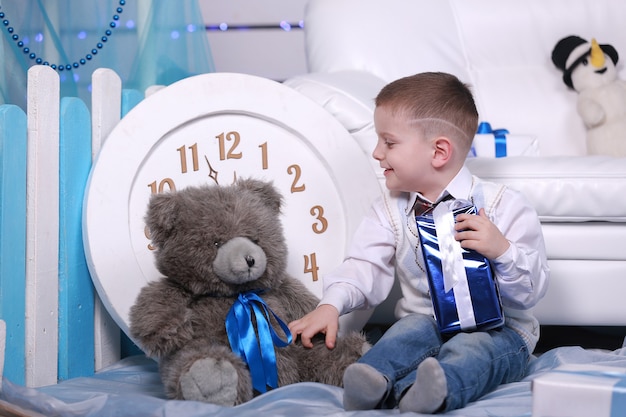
(257, 350)
(618, 399)
(498, 134)
(452, 264)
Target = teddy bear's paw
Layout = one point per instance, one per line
(210, 381)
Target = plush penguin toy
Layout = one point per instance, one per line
(589, 69)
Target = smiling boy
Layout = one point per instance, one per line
(425, 125)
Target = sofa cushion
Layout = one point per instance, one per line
(573, 189)
(581, 241)
(350, 37)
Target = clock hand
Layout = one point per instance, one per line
(212, 173)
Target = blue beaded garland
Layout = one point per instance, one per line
(61, 67)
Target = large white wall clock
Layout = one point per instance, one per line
(213, 128)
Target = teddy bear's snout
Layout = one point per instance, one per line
(239, 260)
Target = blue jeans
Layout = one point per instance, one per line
(474, 363)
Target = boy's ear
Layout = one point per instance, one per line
(442, 151)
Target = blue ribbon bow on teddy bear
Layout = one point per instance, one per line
(257, 350)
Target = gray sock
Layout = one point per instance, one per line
(364, 387)
(428, 392)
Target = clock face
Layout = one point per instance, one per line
(212, 129)
(207, 151)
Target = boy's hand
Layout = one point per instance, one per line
(477, 232)
(324, 319)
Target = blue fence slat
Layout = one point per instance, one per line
(76, 292)
(13, 238)
(130, 98)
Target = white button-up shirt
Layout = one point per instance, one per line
(386, 245)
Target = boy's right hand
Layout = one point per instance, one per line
(324, 319)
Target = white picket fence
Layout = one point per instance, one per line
(45, 158)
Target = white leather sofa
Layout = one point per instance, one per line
(502, 48)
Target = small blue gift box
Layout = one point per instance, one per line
(463, 288)
(580, 390)
(498, 143)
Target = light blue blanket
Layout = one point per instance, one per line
(132, 388)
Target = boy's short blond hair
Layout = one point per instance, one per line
(438, 103)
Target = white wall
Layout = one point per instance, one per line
(268, 52)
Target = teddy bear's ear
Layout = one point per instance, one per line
(266, 190)
(161, 217)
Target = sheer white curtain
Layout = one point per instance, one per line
(146, 42)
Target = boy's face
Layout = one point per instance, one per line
(402, 152)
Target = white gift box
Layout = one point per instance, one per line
(580, 391)
(484, 145)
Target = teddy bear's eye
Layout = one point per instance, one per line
(217, 244)
(255, 241)
(585, 62)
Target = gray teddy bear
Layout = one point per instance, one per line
(217, 320)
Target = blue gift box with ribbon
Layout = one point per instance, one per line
(499, 136)
(580, 390)
(498, 143)
(462, 284)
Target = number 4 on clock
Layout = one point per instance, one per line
(310, 265)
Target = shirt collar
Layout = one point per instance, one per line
(459, 188)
